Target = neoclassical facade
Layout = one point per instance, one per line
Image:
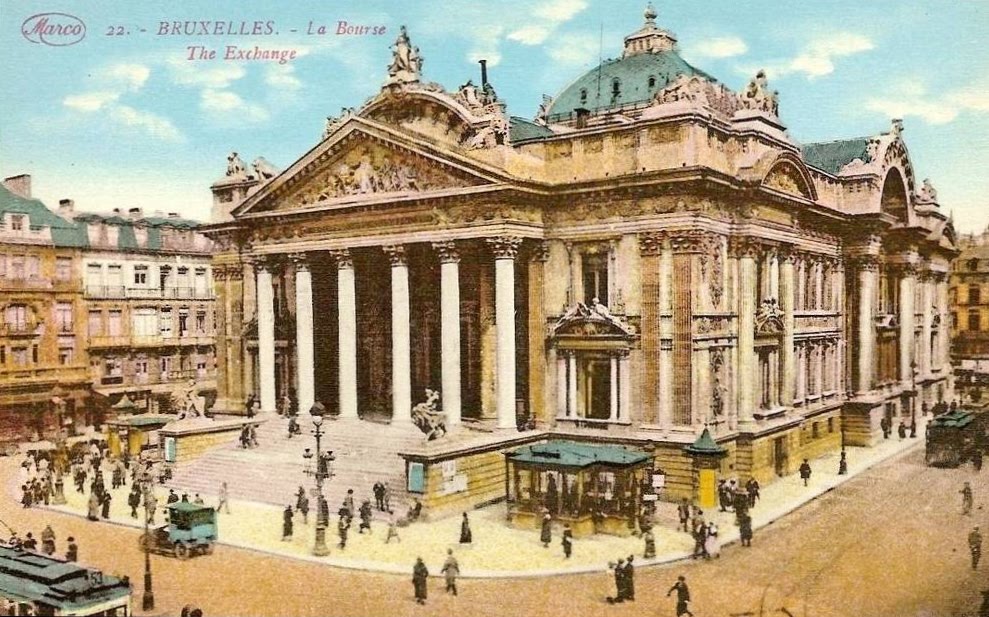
(651, 255)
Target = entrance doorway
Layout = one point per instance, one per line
(597, 389)
(780, 457)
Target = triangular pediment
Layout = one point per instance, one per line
(362, 161)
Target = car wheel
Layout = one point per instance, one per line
(181, 551)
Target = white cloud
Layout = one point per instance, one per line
(911, 99)
(126, 75)
(817, 58)
(529, 35)
(559, 10)
(719, 47)
(574, 49)
(90, 101)
(153, 124)
(282, 76)
(230, 106)
(204, 74)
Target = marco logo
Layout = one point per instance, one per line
(55, 29)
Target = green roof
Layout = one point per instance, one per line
(831, 156)
(633, 73)
(33, 577)
(705, 445)
(953, 419)
(521, 129)
(576, 455)
(185, 506)
(142, 421)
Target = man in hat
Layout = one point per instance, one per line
(451, 570)
(966, 499)
(683, 596)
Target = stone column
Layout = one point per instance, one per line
(747, 253)
(562, 388)
(538, 256)
(305, 368)
(868, 272)
(613, 399)
(665, 417)
(624, 388)
(572, 384)
(926, 301)
(505, 249)
(906, 317)
(787, 357)
(652, 281)
(401, 356)
(346, 333)
(942, 361)
(450, 329)
(266, 335)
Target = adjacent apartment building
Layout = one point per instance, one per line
(969, 294)
(98, 308)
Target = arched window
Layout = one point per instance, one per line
(652, 82)
(583, 95)
(616, 89)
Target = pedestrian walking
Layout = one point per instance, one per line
(348, 504)
(302, 506)
(343, 526)
(712, 544)
(745, 530)
(650, 542)
(567, 541)
(107, 498)
(26, 498)
(392, 532)
(752, 487)
(546, 531)
(683, 596)
(72, 551)
(629, 579)
(150, 505)
(966, 499)
(386, 497)
(974, 546)
(287, 524)
(619, 573)
(224, 499)
(30, 543)
(843, 464)
(805, 472)
(683, 509)
(198, 500)
(366, 514)
(451, 570)
(172, 497)
(419, 577)
(134, 500)
(48, 540)
(466, 537)
(977, 460)
(379, 496)
(886, 425)
(901, 431)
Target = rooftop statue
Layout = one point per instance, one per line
(406, 64)
(235, 166)
(758, 96)
(927, 193)
(263, 170)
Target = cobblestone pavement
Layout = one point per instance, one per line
(891, 541)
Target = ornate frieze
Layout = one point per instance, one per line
(504, 247)
(712, 324)
(745, 247)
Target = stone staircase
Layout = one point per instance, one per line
(366, 452)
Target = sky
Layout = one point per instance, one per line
(124, 118)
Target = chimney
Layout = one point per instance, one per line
(484, 72)
(582, 115)
(19, 185)
(134, 213)
(173, 215)
(66, 207)
(116, 211)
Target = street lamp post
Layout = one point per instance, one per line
(60, 460)
(148, 599)
(913, 399)
(317, 411)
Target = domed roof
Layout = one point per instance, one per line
(639, 77)
(649, 63)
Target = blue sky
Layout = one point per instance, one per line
(123, 121)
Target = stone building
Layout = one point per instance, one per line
(651, 255)
(42, 339)
(969, 293)
(149, 306)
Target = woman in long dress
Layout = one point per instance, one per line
(466, 537)
(712, 545)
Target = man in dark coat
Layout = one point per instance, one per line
(419, 576)
(134, 500)
(619, 582)
(379, 496)
(172, 497)
(629, 577)
(683, 509)
(72, 552)
(752, 487)
(745, 529)
(805, 472)
(466, 537)
(366, 514)
(885, 425)
(287, 524)
(106, 505)
(843, 464)
(966, 498)
(901, 431)
(683, 596)
(567, 541)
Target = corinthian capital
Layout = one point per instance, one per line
(746, 247)
(396, 254)
(447, 252)
(651, 243)
(504, 247)
(343, 257)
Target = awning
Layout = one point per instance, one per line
(576, 455)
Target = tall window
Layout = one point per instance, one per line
(973, 321)
(95, 323)
(974, 294)
(33, 266)
(65, 355)
(145, 321)
(63, 268)
(17, 222)
(165, 321)
(141, 370)
(201, 322)
(63, 317)
(183, 321)
(17, 267)
(115, 323)
(140, 275)
(19, 355)
(16, 317)
(595, 274)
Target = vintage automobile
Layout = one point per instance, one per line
(957, 437)
(190, 530)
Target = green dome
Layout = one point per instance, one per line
(594, 90)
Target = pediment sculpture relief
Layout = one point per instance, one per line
(593, 320)
(769, 317)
